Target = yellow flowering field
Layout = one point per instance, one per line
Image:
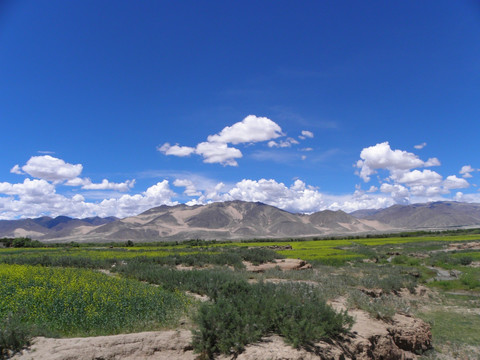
(84, 302)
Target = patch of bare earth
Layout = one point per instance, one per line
(283, 264)
(146, 345)
(464, 246)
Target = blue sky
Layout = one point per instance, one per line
(113, 107)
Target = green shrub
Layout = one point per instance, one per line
(243, 313)
(205, 281)
(465, 260)
(383, 307)
(14, 336)
(470, 281)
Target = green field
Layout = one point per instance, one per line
(70, 290)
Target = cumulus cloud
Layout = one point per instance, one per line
(306, 134)
(420, 146)
(398, 192)
(86, 184)
(190, 188)
(58, 171)
(465, 171)
(432, 162)
(250, 129)
(405, 183)
(453, 182)
(50, 168)
(221, 153)
(16, 170)
(298, 197)
(29, 189)
(381, 156)
(283, 143)
(107, 185)
(417, 177)
(176, 150)
(34, 198)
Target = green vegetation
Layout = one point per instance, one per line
(298, 312)
(454, 327)
(84, 302)
(60, 290)
(14, 336)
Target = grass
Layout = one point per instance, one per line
(453, 327)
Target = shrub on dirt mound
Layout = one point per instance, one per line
(243, 313)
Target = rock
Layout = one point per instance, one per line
(410, 334)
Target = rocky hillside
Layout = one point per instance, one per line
(225, 220)
(433, 215)
(242, 220)
(47, 227)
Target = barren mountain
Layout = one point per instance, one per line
(433, 215)
(225, 220)
(242, 220)
(48, 227)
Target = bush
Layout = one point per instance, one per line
(20, 242)
(243, 313)
(14, 336)
(470, 281)
(204, 282)
(465, 260)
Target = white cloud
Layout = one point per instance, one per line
(214, 152)
(250, 129)
(453, 182)
(76, 182)
(398, 192)
(34, 198)
(176, 150)
(473, 198)
(420, 146)
(283, 143)
(296, 198)
(307, 149)
(465, 171)
(107, 185)
(432, 162)
(16, 170)
(307, 134)
(381, 156)
(417, 177)
(87, 184)
(49, 168)
(190, 188)
(29, 189)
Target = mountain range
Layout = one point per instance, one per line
(242, 220)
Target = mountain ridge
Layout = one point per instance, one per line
(242, 220)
